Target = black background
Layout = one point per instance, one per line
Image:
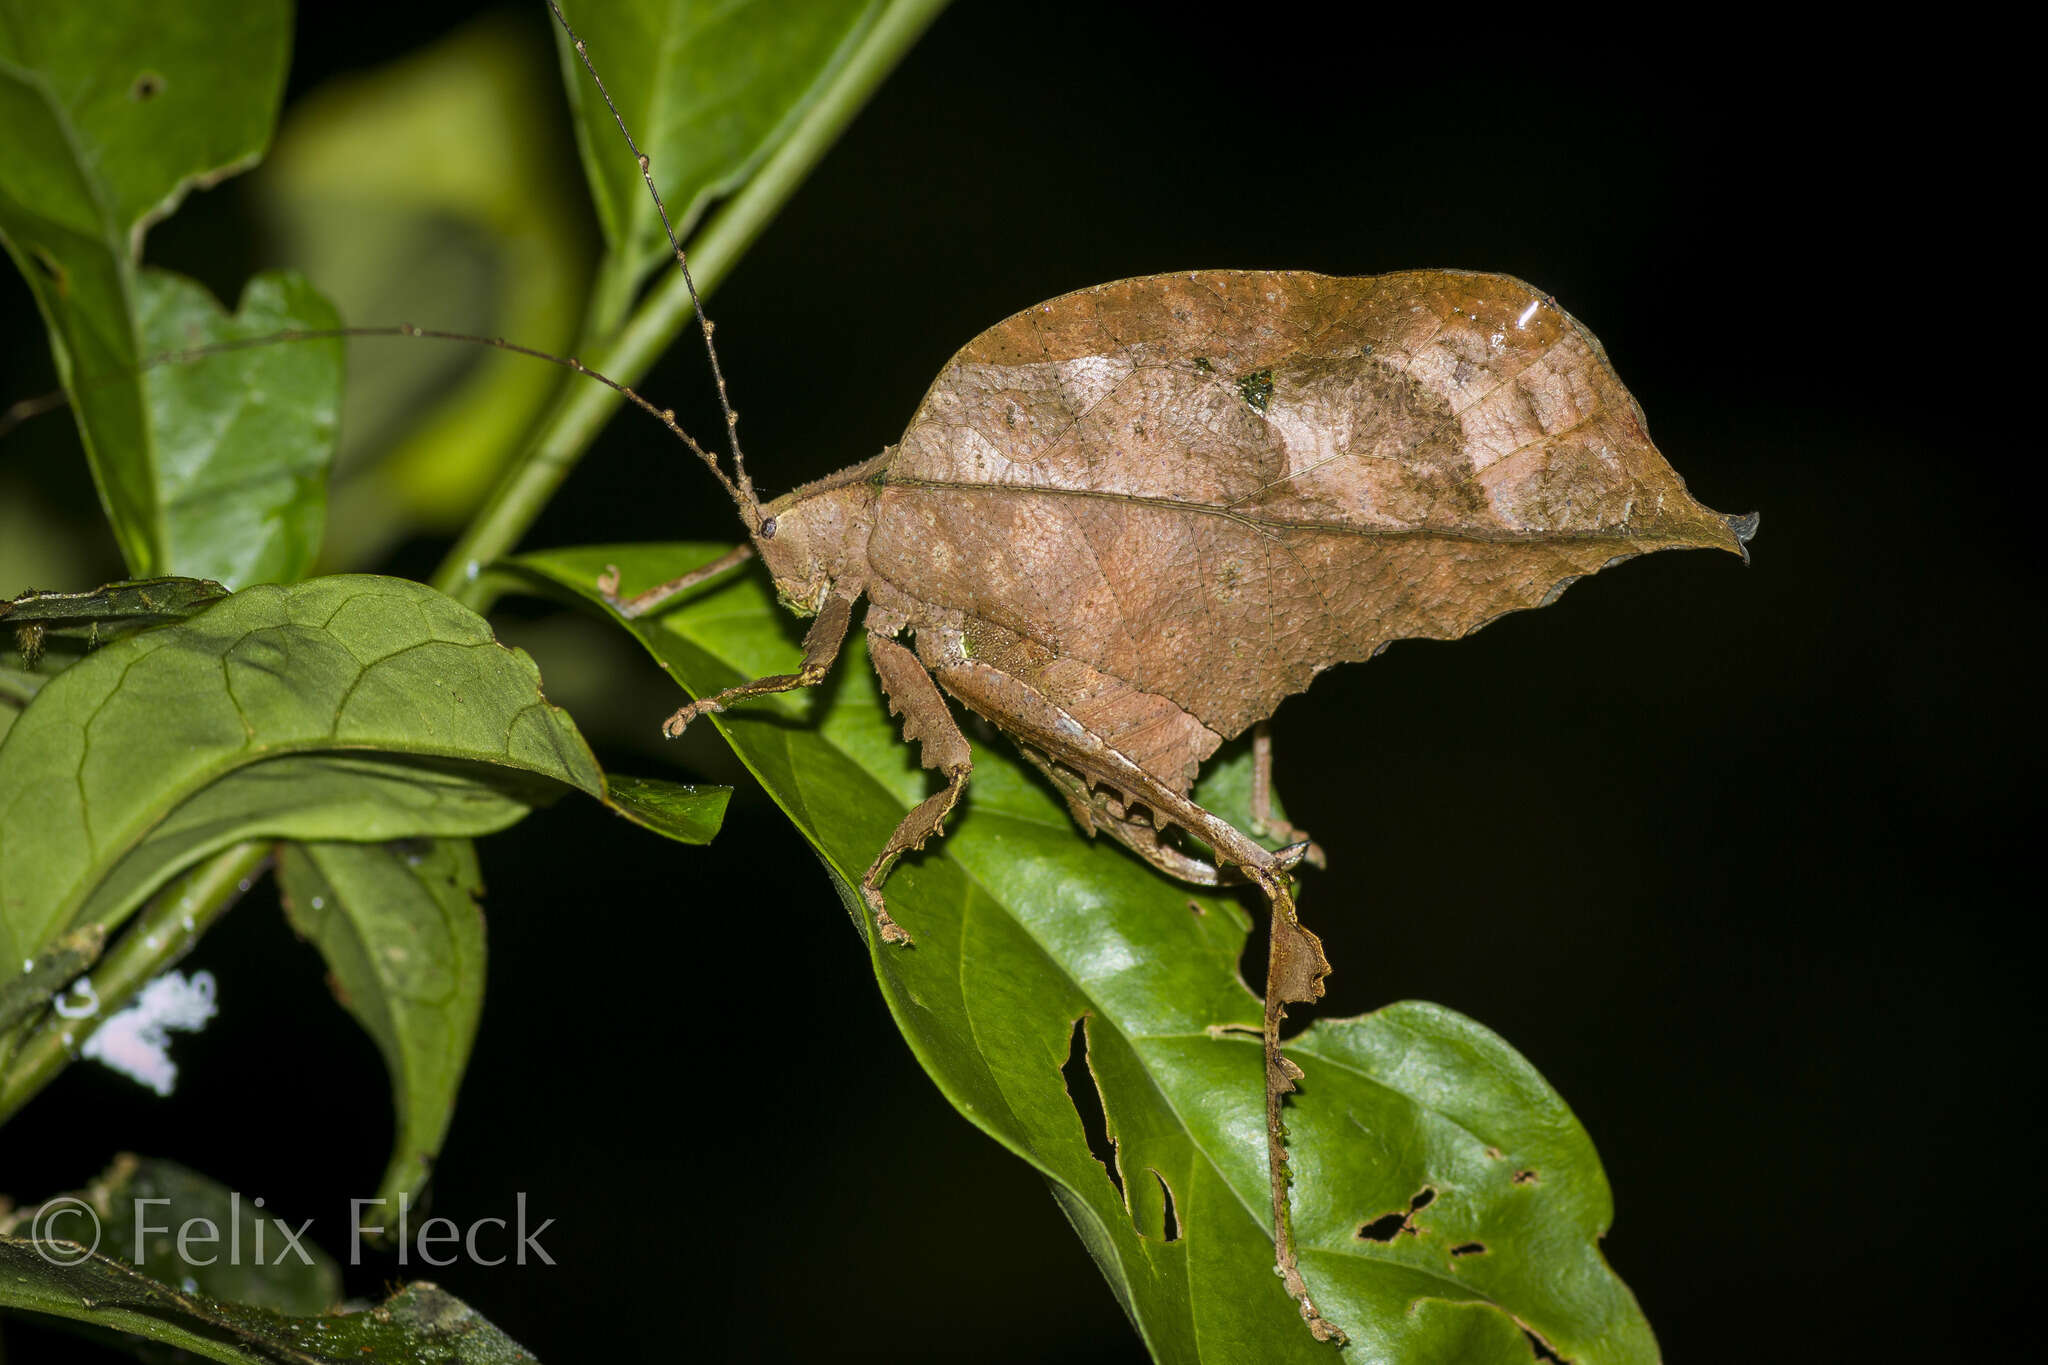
(1727, 853)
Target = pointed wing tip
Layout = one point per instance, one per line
(1744, 528)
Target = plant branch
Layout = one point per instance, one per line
(582, 410)
(162, 934)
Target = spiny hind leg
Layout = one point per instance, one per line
(1094, 812)
(1295, 965)
(1264, 822)
(1037, 724)
(821, 647)
(928, 721)
(1072, 787)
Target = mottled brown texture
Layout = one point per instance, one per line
(1210, 487)
(1125, 524)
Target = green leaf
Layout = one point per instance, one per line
(403, 936)
(114, 112)
(159, 98)
(353, 707)
(419, 1325)
(708, 89)
(61, 233)
(1025, 929)
(240, 441)
(676, 810)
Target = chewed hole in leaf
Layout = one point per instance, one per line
(1172, 1213)
(1086, 1097)
(1525, 1177)
(1388, 1226)
(1541, 1348)
(1385, 1228)
(147, 86)
(1469, 1249)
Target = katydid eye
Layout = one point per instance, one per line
(768, 529)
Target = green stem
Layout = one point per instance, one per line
(162, 934)
(583, 409)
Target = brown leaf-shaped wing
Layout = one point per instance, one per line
(1214, 485)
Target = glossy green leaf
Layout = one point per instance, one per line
(159, 98)
(1025, 929)
(419, 1325)
(240, 441)
(676, 810)
(707, 87)
(352, 707)
(114, 112)
(403, 936)
(62, 235)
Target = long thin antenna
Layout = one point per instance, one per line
(27, 408)
(752, 504)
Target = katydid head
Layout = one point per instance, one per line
(785, 544)
(816, 535)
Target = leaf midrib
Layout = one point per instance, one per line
(1275, 525)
